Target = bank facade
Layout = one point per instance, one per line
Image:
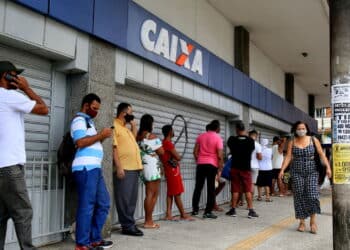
(123, 52)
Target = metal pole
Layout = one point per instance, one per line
(340, 80)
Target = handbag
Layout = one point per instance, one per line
(319, 165)
(226, 171)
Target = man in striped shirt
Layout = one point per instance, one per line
(93, 197)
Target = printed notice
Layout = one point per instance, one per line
(341, 113)
(341, 163)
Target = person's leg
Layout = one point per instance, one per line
(150, 201)
(86, 182)
(169, 205)
(200, 179)
(101, 209)
(125, 196)
(4, 216)
(280, 187)
(313, 225)
(18, 205)
(267, 192)
(180, 207)
(273, 192)
(211, 172)
(217, 191)
(235, 199)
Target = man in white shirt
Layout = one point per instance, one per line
(256, 157)
(14, 199)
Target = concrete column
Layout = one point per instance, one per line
(99, 80)
(289, 87)
(311, 105)
(340, 75)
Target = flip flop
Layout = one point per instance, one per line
(173, 219)
(154, 226)
(187, 219)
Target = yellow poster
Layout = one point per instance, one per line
(341, 163)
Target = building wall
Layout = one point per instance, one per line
(300, 97)
(264, 71)
(191, 17)
(321, 101)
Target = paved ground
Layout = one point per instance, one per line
(274, 229)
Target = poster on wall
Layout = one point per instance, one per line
(341, 163)
(341, 113)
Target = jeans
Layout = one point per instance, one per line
(204, 172)
(93, 206)
(15, 204)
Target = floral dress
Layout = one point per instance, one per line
(150, 161)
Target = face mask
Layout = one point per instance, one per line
(129, 118)
(92, 113)
(301, 132)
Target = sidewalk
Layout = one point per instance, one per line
(274, 229)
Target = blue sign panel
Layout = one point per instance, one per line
(41, 6)
(78, 13)
(151, 38)
(113, 31)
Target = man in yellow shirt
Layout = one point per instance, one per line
(127, 164)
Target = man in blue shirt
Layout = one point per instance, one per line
(93, 197)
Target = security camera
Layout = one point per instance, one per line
(304, 54)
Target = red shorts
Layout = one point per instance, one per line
(241, 178)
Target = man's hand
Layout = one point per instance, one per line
(105, 133)
(21, 83)
(120, 173)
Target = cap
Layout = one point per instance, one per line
(6, 66)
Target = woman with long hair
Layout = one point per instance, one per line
(301, 151)
(150, 147)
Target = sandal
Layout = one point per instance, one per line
(154, 226)
(301, 227)
(269, 200)
(313, 229)
(259, 199)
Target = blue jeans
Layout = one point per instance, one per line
(93, 206)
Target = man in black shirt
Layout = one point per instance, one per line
(241, 148)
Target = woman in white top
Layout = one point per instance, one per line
(150, 147)
(277, 159)
(265, 171)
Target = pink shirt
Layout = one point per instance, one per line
(209, 143)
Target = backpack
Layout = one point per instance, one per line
(66, 153)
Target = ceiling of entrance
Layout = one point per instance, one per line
(283, 30)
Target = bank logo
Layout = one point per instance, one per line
(165, 44)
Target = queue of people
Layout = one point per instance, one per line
(141, 153)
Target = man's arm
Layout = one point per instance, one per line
(220, 153)
(196, 151)
(40, 107)
(118, 168)
(133, 128)
(89, 140)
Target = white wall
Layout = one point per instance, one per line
(300, 97)
(264, 71)
(198, 20)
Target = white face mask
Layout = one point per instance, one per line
(301, 132)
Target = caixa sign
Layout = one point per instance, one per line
(177, 50)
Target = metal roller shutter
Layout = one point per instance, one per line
(164, 109)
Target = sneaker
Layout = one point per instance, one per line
(104, 244)
(252, 214)
(209, 216)
(232, 212)
(194, 213)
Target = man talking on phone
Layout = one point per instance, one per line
(127, 165)
(14, 199)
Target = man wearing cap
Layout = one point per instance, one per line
(14, 199)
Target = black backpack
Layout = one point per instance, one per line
(66, 152)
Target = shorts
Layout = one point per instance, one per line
(264, 178)
(255, 173)
(241, 177)
(275, 173)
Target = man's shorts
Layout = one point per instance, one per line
(241, 177)
(255, 173)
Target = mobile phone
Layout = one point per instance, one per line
(10, 78)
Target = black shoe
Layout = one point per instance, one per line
(252, 214)
(194, 213)
(232, 212)
(134, 231)
(209, 216)
(103, 244)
